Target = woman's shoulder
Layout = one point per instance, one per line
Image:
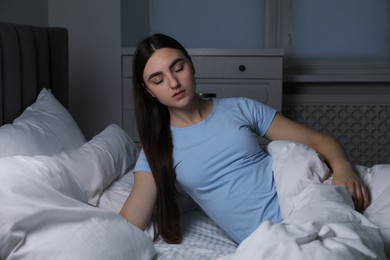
(244, 105)
(236, 101)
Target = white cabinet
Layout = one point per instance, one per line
(256, 74)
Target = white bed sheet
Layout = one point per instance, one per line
(203, 240)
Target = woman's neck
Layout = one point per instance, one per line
(193, 114)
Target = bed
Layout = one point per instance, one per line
(61, 193)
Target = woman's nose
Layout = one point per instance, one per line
(173, 82)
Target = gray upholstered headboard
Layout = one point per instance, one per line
(31, 58)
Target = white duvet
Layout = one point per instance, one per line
(319, 219)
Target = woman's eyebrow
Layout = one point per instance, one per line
(173, 63)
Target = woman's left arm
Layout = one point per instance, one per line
(329, 148)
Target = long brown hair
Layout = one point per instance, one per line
(153, 123)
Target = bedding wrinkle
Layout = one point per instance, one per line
(320, 221)
(378, 180)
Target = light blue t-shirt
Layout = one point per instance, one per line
(220, 164)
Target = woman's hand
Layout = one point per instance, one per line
(329, 148)
(345, 176)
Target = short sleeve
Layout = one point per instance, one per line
(258, 114)
(142, 164)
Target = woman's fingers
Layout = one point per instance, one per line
(360, 196)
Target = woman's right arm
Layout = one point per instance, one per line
(139, 206)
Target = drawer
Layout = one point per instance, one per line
(231, 67)
(266, 91)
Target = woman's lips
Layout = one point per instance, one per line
(177, 94)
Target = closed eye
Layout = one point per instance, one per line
(157, 81)
(156, 78)
(179, 67)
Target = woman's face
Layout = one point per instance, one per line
(169, 77)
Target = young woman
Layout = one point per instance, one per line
(210, 149)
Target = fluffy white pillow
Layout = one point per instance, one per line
(43, 216)
(44, 128)
(99, 162)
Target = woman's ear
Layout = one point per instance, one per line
(150, 92)
(147, 89)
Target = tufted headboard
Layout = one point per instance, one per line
(31, 58)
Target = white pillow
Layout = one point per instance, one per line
(44, 128)
(43, 216)
(99, 162)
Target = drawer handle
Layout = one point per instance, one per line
(207, 95)
(242, 67)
